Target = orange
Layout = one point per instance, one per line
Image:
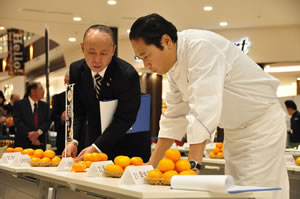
(169, 174)
(166, 165)
(122, 161)
(220, 155)
(35, 159)
(113, 167)
(212, 155)
(38, 153)
(45, 159)
(173, 154)
(187, 172)
(182, 165)
(103, 156)
(18, 149)
(216, 150)
(9, 149)
(219, 145)
(155, 173)
(87, 157)
(56, 159)
(298, 161)
(78, 167)
(88, 163)
(95, 157)
(49, 153)
(28, 151)
(136, 161)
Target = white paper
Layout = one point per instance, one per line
(65, 164)
(213, 183)
(9, 157)
(289, 160)
(21, 161)
(135, 174)
(97, 168)
(107, 110)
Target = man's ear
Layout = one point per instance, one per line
(82, 47)
(166, 41)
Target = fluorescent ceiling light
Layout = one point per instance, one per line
(207, 8)
(72, 39)
(111, 2)
(223, 23)
(76, 18)
(2, 28)
(281, 69)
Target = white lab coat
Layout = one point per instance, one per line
(213, 83)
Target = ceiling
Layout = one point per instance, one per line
(33, 15)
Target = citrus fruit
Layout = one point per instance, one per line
(220, 155)
(78, 167)
(87, 157)
(187, 172)
(49, 153)
(166, 165)
(9, 149)
(155, 173)
(212, 155)
(136, 161)
(28, 151)
(216, 150)
(219, 145)
(95, 157)
(45, 159)
(35, 159)
(103, 156)
(88, 163)
(298, 161)
(173, 154)
(38, 153)
(56, 159)
(182, 165)
(122, 161)
(18, 149)
(169, 174)
(113, 167)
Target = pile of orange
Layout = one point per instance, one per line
(121, 162)
(79, 166)
(42, 158)
(95, 157)
(217, 152)
(169, 166)
(11, 149)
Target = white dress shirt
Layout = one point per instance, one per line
(213, 83)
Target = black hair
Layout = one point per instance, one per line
(30, 86)
(290, 104)
(151, 28)
(100, 28)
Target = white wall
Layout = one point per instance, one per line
(15, 84)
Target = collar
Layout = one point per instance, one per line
(178, 52)
(31, 101)
(100, 73)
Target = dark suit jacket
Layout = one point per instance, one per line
(58, 107)
(24, 122)
(120, 82)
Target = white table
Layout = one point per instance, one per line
(34, 182)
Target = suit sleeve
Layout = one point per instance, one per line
(128, 105)
(21, 127)
(55, 113)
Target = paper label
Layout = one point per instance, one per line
(289, 160)
(65, 164)
(21, 161)
(135, 174)
(9, 157)
(98, 168)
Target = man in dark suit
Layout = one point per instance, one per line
(118, 81)
(31, 118)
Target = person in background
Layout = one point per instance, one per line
(13, 98)
(10, 127)
(294, 133)
(2, 116)
(31, 118)
(58, 116)
(213, 83)
(102, 76)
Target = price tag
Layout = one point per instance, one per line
(9, 157)
(21, 161)
(289, 160)
(97, 168)
(65, 164)
(135, 175)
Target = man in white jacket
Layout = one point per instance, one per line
(213, 83)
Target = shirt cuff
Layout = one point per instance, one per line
(94, 145)
(74, 142)
(40, 131)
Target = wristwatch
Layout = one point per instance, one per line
(195, 165)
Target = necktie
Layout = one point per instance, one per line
(98, 79)
(35, 116)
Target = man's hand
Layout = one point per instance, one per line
(71, 150)
(36, 142)
(33, 136)
(89, 149)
